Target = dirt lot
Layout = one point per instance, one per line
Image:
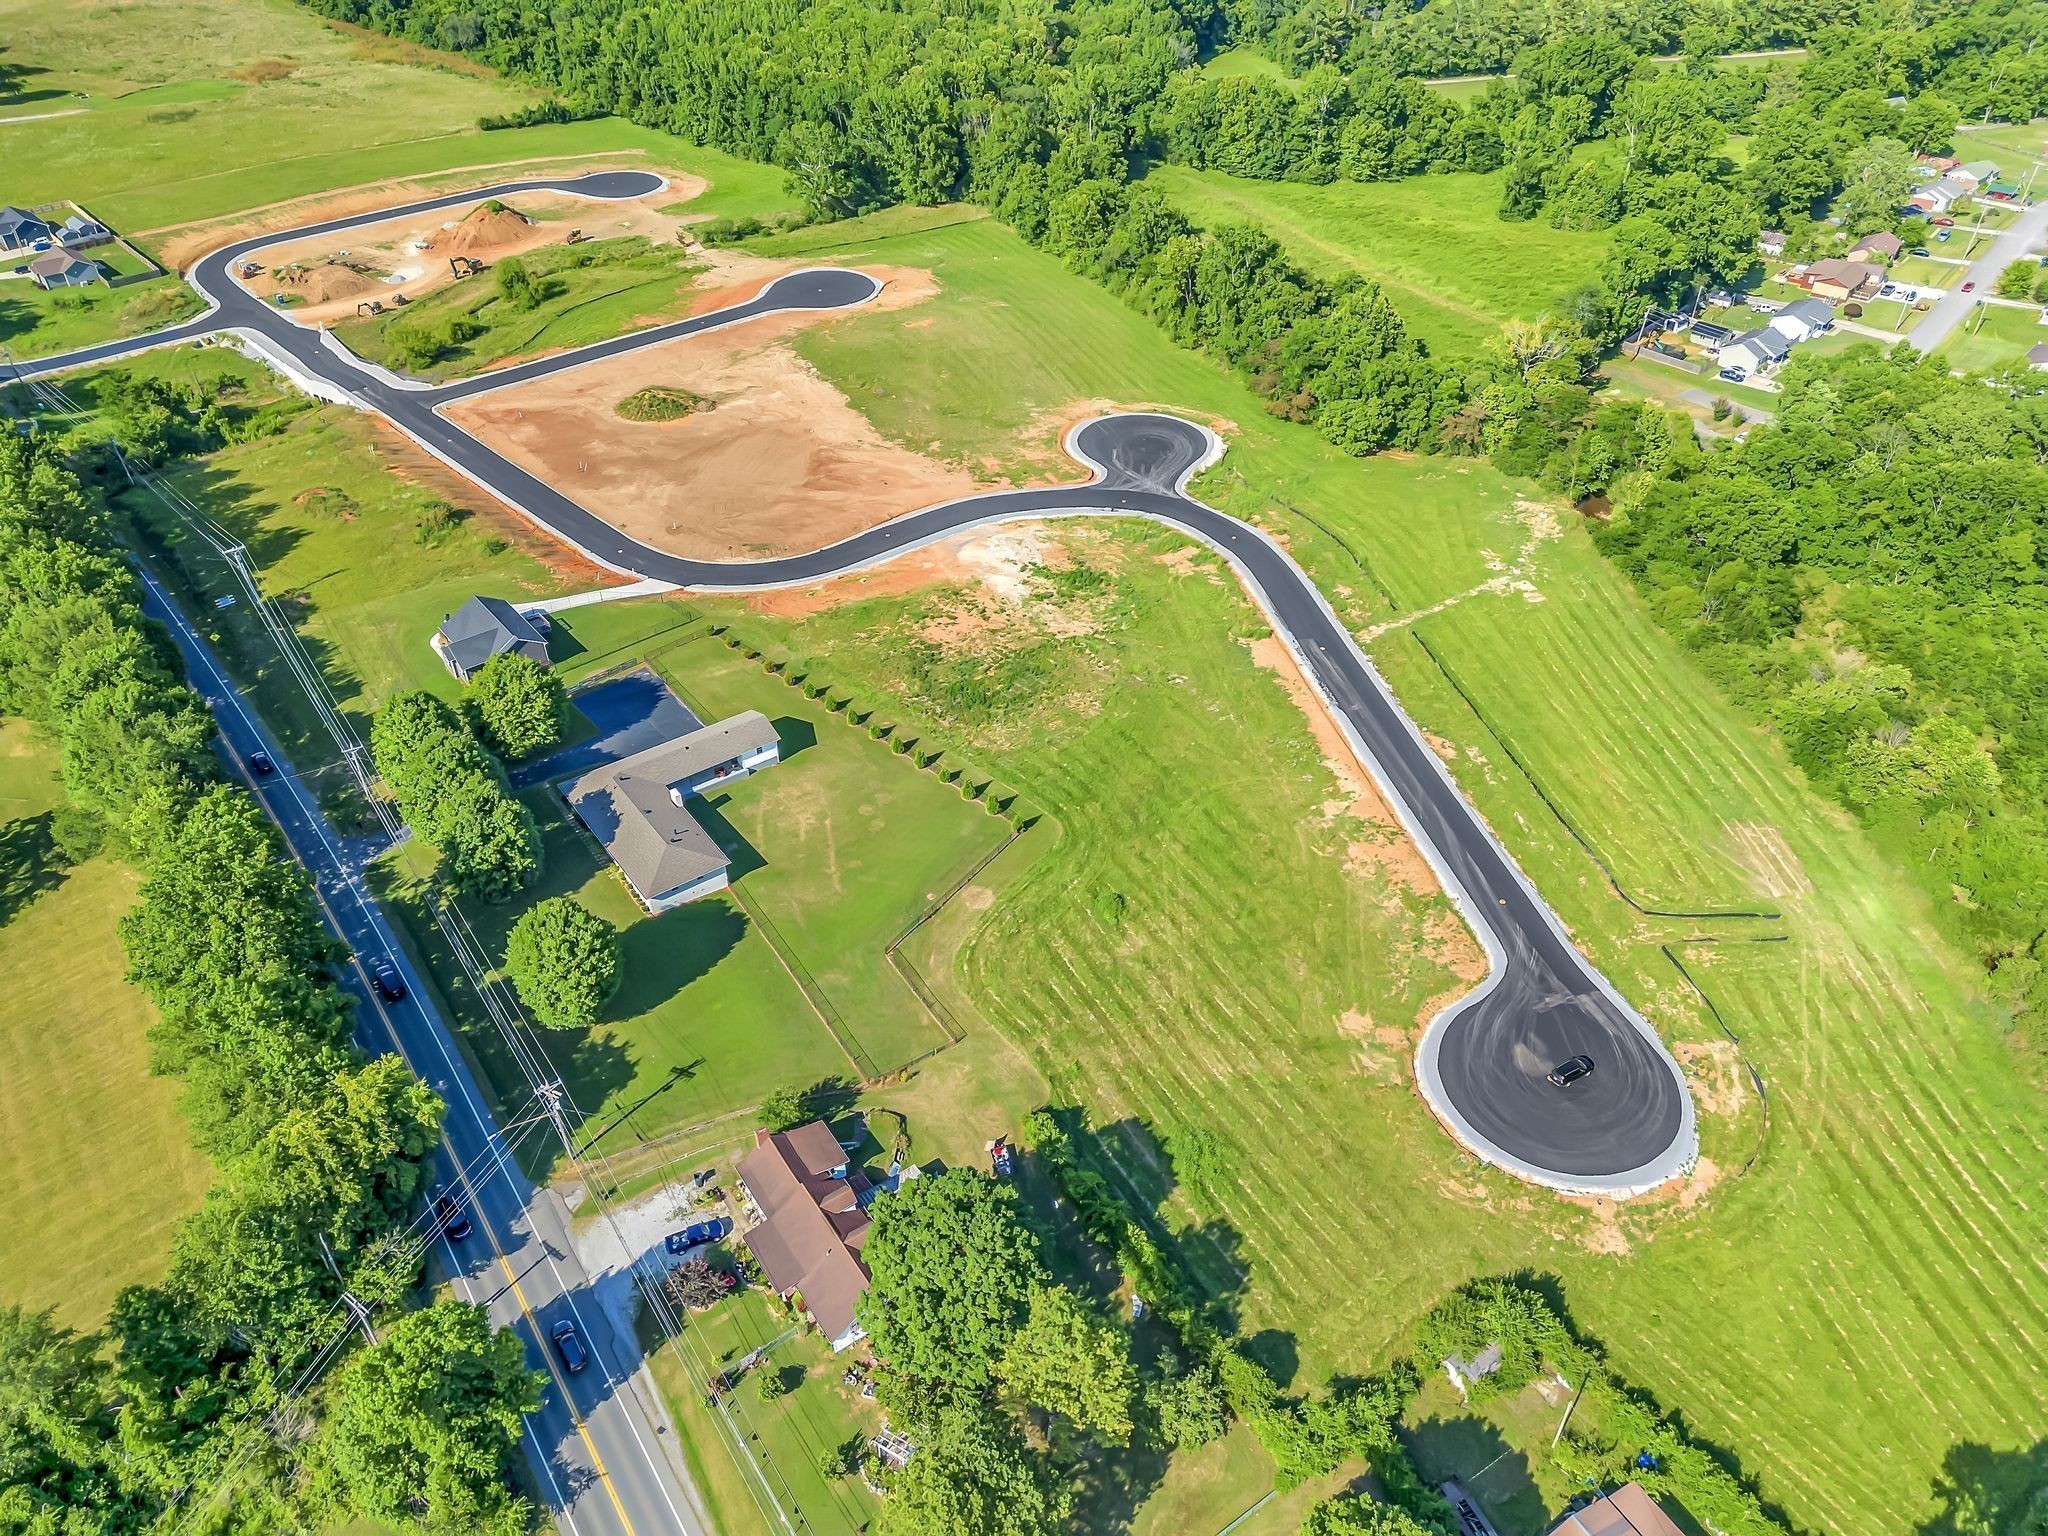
(180, 245)
(330, 274)
(780, 462)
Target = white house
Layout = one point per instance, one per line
(1803, 318)
(635, 807)
(1754, 351)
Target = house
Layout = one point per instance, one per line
(1882, 246)
(1771, 242)
(482, 628)
(1974, 173)
(1939, 197)
(82, 230)
(1941, 165)
(2037, 356)
(1838, 278)
(1628, 1511)
(61, 269)
(20, 229)
(1803, 318)
(809, 1225)
(1754, 351)
(635, 808)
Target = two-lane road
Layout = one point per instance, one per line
(597, 1447)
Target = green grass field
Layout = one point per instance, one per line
(590, 293)
(1840, 1317)
(783, 1438)
(1243, 60)
(95, 1167)
(1452, 267)
(191, 111)
(1994, 336)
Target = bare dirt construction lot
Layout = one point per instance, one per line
(779, 463)
(327, 276)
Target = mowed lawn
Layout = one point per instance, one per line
(1453, 268)
(836, 850)
(1854, 1310)
(1993, 337)
(95, 1167)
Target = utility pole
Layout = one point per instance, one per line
(355, 1308)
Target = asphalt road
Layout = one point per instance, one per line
(1482, 1061)
(1953, 308)
(598, 1445)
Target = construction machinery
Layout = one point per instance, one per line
(464, 266)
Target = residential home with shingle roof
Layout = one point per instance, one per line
(811, 1225)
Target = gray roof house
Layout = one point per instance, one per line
(82, 230)
(1803, 318)
(482, 628)
(61, 269)
(1754, 350)
(20, 229)
(635, 807)
(2037, 356)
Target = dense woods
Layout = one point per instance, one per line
(318, 1148)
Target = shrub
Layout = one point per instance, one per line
(786, 1108)
(564, 960)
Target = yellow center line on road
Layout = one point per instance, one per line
(454, 1158)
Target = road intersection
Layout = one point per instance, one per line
(1482, 1061)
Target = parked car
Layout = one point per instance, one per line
(569, 1346)
(262, 764)
(1942, 221)
(1943, 234)
(1919, 250)
(453, 1219)
(390, 985)
(1732, 375)
(1565, 1073)
(1969, 287)
(695, 1233)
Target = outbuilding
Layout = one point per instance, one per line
(485, 627)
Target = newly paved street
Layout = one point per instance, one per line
(1482, 1062)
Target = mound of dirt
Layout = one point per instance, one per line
(483, 228)
(326, 282)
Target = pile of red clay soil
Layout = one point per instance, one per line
(482, 229)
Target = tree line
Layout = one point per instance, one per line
(318, 1147)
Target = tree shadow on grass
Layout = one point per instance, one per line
(1473, 1450)
(795, 733)
(30, 864)
(662, 955)
(1985, 1492)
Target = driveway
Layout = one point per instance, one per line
(631, 713)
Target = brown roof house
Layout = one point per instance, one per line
(810, 1226)
(1882, 246)
(635, 807)
(1628, 1511)
(1836, 278)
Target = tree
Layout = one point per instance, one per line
(1877, 179)
(953, 1269)
(516, 286)
(421, 1427)
(518, 704)
(56, 1425)
(1190, 1408)
(2017, 280)
(565, 961)
(453, 793)
(1068, 1361)
(973, 1476)
(1360, 1515)
(786, 1108)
